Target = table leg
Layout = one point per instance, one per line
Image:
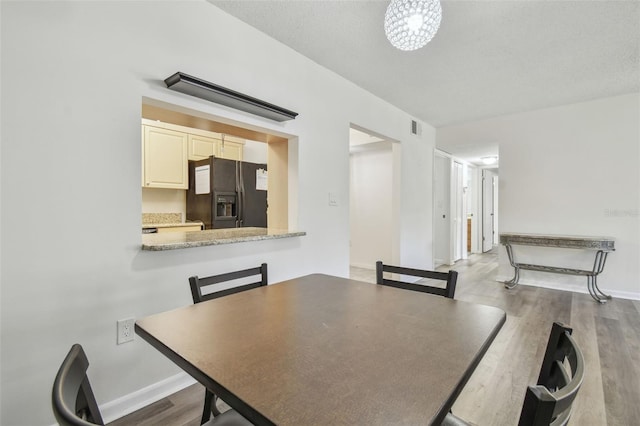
(210, 407)
(516, 269)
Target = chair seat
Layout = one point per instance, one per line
(452, 420)
(228, 418)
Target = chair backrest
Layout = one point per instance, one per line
(450, 277)
(549, 402)
(72, 398)
(198, 283)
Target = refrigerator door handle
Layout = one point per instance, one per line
(242, 198)
(239, 206)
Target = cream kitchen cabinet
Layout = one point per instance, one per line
(167, 149)
(164, 158)
(202, 147)
(231, 148)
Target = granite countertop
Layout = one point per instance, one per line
(166, 220)
(209, 237)
(153, 219)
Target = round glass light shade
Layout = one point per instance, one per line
(410, 24)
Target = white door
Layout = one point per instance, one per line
(487, 210)
(495, 211)
(441, 209)
(457, 218)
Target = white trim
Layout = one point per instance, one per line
(127, 404)
(574, 288)
(438, 262)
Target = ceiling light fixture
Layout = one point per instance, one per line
(489, 160)
(410, 24)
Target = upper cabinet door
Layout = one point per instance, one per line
(165, 158)
(230, 150)
(202, 147)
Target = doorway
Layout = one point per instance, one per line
(371, 199)
(489, 209)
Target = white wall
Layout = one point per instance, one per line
(416, 200)
(73, 78)
(571, 170)
(371, 207)
(254, 152)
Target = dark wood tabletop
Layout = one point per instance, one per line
(323, 350)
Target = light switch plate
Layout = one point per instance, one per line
(333, 199)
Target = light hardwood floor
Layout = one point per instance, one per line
(608, 334)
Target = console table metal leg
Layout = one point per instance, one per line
(592, 280)
(592, 289)
(516, 269)
(513, 281)
(603, 296)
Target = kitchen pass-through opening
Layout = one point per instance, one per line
(176, 142)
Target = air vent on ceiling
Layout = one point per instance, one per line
(212, 92)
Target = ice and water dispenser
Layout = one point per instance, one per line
(226, 205)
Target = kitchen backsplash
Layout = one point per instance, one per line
(158, 200)
(148, 218)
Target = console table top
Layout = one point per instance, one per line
(560, 241)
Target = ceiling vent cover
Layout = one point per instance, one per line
(202, 89)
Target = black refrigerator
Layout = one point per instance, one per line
(227, 193)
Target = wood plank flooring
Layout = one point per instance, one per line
(608, 334)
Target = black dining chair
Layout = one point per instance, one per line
(450, 278)
(72, 397)
(549, 401)
(207, 283)
(74, 404)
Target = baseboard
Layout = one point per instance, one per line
(127, 404)
(364, 266)
(574, 288)
(625, 295)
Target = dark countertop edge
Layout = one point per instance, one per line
(218, 241)
(171, 224)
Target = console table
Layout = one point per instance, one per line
(602, 245)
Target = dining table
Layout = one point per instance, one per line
(326, 350)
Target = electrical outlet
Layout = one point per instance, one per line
(333, 199)
(126, 330)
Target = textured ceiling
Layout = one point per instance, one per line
(489, 58)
